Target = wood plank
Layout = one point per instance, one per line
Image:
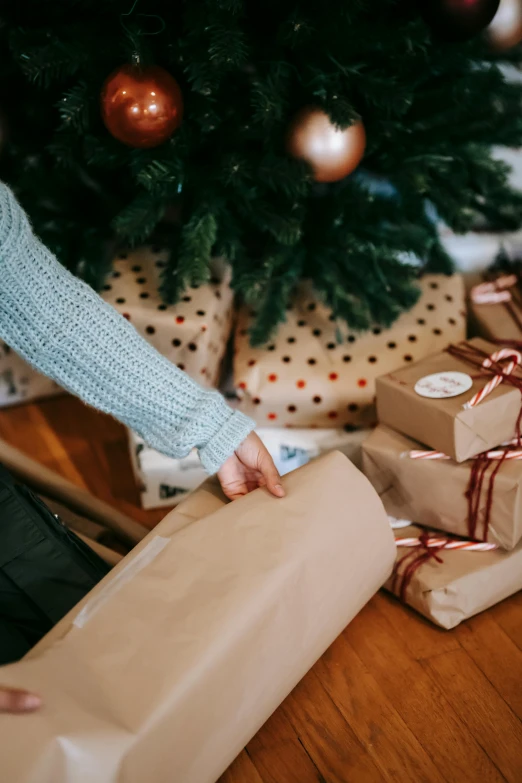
(279, 755)
(386, 737)
(419, 701)
(328, 739)
(87, 447)
(496, 656)
(422, 638)
(242, 770)
(508, 615)
(481, 709)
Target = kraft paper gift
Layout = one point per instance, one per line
(193, 334)
(432, 492)
(317, 373)
(498, 320)
(19, 382)
(174, 661)
(462, 585)
(444, 424)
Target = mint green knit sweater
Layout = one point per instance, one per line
(66, 331)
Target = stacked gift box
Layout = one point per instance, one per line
(446, 455)
(495, 302)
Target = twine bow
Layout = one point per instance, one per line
(479, 468)
(423, 549)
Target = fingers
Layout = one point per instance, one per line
(270, 475)
(16, 701)
(232, 479)
(249, 467)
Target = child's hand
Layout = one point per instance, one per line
(15, 701)
(249, 467)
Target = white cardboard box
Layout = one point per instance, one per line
(164, 481)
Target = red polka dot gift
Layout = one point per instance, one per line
(193, 333)
(308, 377)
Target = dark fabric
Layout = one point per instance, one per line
(45, 569)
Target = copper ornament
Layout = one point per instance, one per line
(141, 107)
(332, 153)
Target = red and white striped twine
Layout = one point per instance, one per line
(496, 380)
(494, 454)
(446, 543)
(494, 292)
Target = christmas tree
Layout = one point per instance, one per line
(231, 170)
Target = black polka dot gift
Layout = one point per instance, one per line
(193, 333)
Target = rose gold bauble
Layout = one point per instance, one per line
(505, 31)
(141, 107)
(332, 153)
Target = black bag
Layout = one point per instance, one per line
(45, 569)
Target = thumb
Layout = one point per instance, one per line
(15, 700)
(271, 475)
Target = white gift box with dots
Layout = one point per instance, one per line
(163, 481)
(193, 333)
(316, 373)
(19, 382)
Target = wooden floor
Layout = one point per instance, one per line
(393, 699)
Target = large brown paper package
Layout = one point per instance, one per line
(444, 424)
(172, 663)
(317, 373)
(464, 584)
(432, 492)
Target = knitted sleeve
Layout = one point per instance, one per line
(66, 331)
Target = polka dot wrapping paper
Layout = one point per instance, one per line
(193, 334)
(316, 373)
(19, 382)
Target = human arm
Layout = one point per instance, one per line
(65, 330)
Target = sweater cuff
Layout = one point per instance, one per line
(223, 444)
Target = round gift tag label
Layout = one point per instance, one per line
(443, 384)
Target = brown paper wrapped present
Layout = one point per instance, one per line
(445, 423)
(193, 333)
(496, 308)
(315, 373)
(172, 663)
(458, 584)
(433, 491)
